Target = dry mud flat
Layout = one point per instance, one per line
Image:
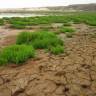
(70, 74)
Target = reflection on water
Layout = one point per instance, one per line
(19, 15)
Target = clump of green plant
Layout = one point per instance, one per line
(16, 54)
(67, 30)
(18, 26)
(24, 38)
(1, 22)
(57, 49)
(40, 40)
(67, 24)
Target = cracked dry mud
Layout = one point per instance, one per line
(70, 74)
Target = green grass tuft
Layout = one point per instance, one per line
(16, 54)
(66, 30)
(67, 24)
(40, 40)
(24, 38)
(1, 22)
(57, 49)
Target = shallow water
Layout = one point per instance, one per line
(19, 15)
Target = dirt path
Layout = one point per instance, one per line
(70, 74)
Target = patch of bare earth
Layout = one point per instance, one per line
(70, 74)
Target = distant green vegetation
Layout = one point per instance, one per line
(66, 30)
(17, 26)
(21, 23)
(75, 17)
(67, 24)
(41, 40)
(16, 54)
(1, 22)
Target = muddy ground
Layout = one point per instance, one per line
(70, 74)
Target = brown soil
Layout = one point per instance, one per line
(70, 74)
